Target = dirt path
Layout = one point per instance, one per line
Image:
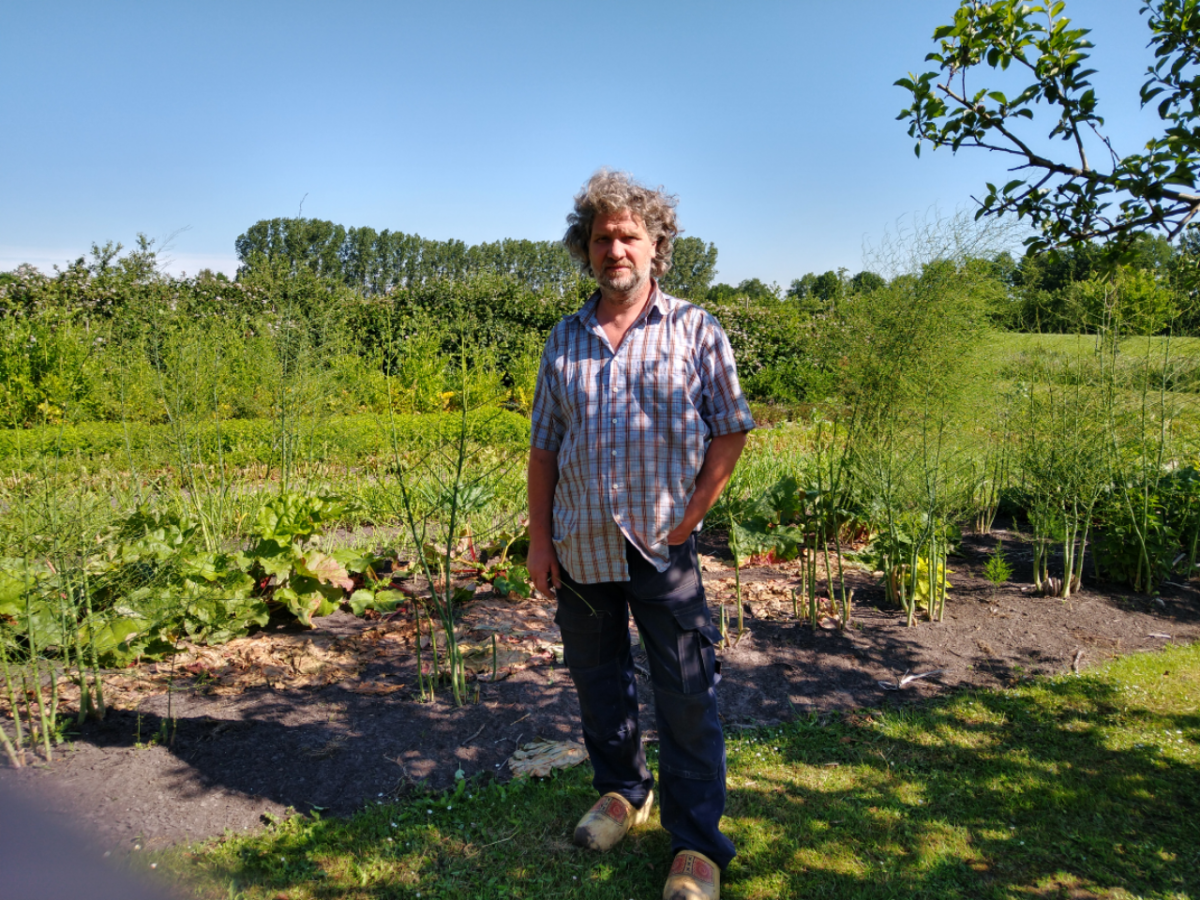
(331, 719)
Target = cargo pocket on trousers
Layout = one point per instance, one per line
(698, 639)
(580, 630)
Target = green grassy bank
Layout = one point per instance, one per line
(1068, 787)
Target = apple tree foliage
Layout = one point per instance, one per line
(1085, 190)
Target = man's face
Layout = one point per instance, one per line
(621, 252)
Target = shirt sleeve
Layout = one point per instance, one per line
(547, 425)
(724, 408)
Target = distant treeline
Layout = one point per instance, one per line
(376, 262)
(1153, 287)
(1052, 292)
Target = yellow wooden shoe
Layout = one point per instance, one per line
(693, 877)
(603, 826)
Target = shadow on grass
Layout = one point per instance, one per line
(1066, 788)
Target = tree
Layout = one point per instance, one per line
(314, 244)
(830, 286)
(379, 262)
(1067, 198)
(693, 267)
(801, 288)
(1184, 272)
(865, 282)
(1131, 301)
(816, 293)
(750, 289)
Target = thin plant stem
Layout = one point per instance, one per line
(10, 751)
(97, 681)
(737, 588)
(85, 697)
(810, 555)
(36, 676)
(812, 578)
(436, 676)
(420, 665)
(10, 689)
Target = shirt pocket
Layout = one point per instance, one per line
(662, 389)
(673, 423)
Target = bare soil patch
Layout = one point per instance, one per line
(330, 719)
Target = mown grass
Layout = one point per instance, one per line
(1066, 358)
(1015, 342)
(1073, 786)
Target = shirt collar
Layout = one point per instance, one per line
(656, 307)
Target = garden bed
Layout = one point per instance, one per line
(331, 719)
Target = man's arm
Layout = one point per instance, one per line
(719, 460)
(543, 561)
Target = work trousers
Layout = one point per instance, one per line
(676, 629)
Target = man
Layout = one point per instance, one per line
(638, 422)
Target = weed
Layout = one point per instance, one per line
(998, 569)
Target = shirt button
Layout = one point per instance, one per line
(614, 421)
(614, 453)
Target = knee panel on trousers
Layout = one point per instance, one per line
(690, 741)
(607, 700)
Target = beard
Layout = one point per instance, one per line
(623, 281)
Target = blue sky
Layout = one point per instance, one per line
(774, 122)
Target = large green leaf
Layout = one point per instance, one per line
(293, 515)
(323, 568)
(114, 639)
(17, 577)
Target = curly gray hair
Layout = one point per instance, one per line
(609, 192)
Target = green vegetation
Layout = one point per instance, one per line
(1068, 198)
(157, 426)
(344, 440)
(377, 263)
(1081, 785)
(998, 569)
(182, 459)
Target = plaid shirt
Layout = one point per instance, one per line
(631, 428)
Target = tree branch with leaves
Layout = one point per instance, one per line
(1068, 198)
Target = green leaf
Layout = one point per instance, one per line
(325, 569)
(360, 601)
(387, 599)
(362, 562)
(279, 565)
(515, 581)
(113, 639)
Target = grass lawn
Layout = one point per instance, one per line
(1068, 787)
(1011, 342)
